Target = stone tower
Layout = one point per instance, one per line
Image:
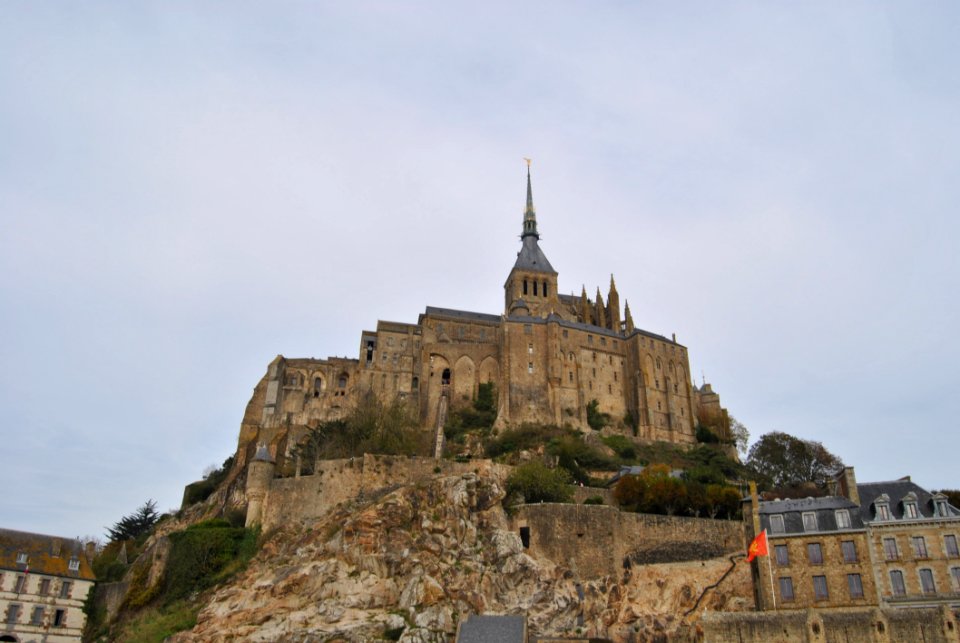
(259, 475)
(532, 282)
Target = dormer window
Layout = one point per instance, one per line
(776, 524)
(22, 558)
(843, 519)
(882, 507)
(74, 564)
(910, 506)
(940, 505)
(809, 521)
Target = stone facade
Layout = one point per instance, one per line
(886, 544)
(44, 581)
(548, 355)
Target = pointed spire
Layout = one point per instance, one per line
(530, 213)
(601, 311)
(613, 307)
(584, 306)
(628, 318)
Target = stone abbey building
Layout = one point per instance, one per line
(548, 355)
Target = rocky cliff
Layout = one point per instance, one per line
(411, 561)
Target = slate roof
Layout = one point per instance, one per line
(896, 490)
(792, 511)
(461, 314)
(40, 554)
(635, 470)
(492, 629)
(531, 257)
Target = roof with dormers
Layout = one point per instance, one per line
(43, 556)
(792, 511)
(896, 491)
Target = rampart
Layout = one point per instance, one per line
(309, 498)
(598, 540)
(850, 625)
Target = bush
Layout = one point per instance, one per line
(594, 500)
(595, 418)
(536, 483)
(622, 446)
(705, 435)
(205, 554)
(527, 436)
(480, 415)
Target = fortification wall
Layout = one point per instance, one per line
(598, 540)
(851, 625)
(309, 498)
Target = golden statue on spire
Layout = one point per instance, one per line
(529, 161)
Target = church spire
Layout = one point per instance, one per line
(529, 214)
(628, 318)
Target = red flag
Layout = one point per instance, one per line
(758, 547)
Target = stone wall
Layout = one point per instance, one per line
(307, 499)
(598, 540)
(850, 625)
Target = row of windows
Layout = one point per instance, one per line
(527, 288)
(43, 587)
(927, 584)
(848, 549)
(918, 544)
(842, 517)
(821, 590)
(36, 617)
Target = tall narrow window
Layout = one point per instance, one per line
(783, 555)
(44, 586)
(544, 289)
(529, 367)
(820, 588)
(926, 582)
(855, 585)
(890, 551)
(919, 547)
(534, 289)
(809, 521)
(60, 618)
(20, 585)
(524, 286)
(955, 577)
(815, 553)
(13, 612)
(896, 583)
(849, 549)
(37, 617)
(65, 589)
(786, 588)
(530, 349)
(950, 544)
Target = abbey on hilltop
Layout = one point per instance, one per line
(549, 355)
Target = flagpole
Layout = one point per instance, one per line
(773, 593)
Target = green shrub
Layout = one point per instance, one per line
(537, 483)
(705, 435)
(594, 500)
(204, 555)
(595, 418)
(527, 436)
(622, 446)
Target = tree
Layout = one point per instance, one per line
(739, 434)
(782, 460)
(595, 418)
(536, 483)
(136, 524)
(665, 494)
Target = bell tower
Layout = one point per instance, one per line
(532, 283)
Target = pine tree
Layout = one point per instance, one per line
(136, 524)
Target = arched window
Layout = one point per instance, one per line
(445, 376)
(317, 386)
(658, 363)
(415, 384)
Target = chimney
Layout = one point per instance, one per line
(90, 549)
(848, 485)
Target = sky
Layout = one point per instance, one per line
(188, 189)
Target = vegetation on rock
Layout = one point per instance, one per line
(535, 482)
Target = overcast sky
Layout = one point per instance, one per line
(189, 189)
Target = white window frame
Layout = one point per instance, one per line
(843, 518)
(812, 515)
(777, 525)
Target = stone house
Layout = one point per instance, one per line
(549, 355)
(44, 581)
(886, 544)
